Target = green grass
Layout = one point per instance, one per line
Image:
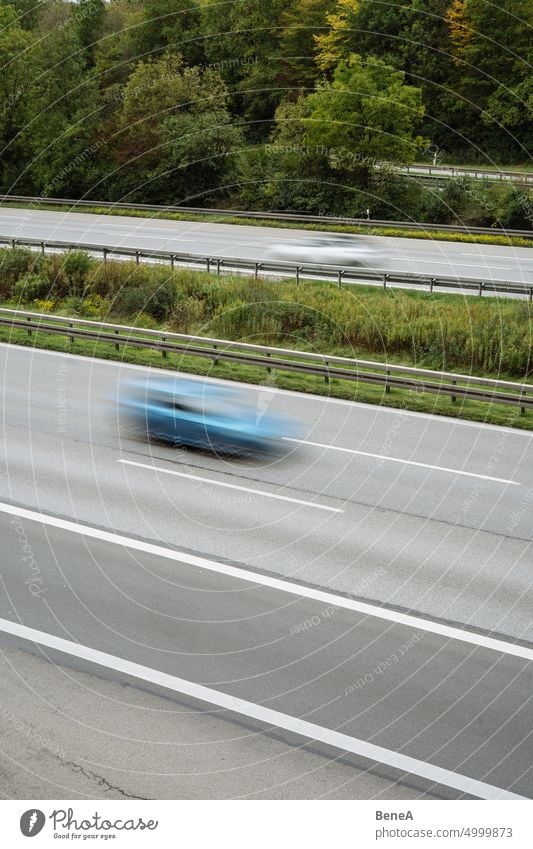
(400, 399)
(483, 336)
(389, 231)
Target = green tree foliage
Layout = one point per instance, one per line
(413, 37)
(89, 21)
(173, 132)
(63, 108)
(153, 98)
(333, 44)
(366, 110)
(117, 50)
(28, 11)
(241, 39)
(16, 62)
(171, 25)
(493, 53)
(301, 21)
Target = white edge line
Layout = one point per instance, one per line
(230, 486)
(323, 596)
(378, 409)
(384, 457)
(273, 718)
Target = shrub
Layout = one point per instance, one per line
(54, 269)
(31, 287)
(13, 265)
(156, 301)
(77, 266)
(187, 313)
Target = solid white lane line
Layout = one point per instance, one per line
(241, 574)
(399, 460)
(231, 486)
(381, 411)
(271, 718)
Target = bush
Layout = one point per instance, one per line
(13, 265)
(77, 266)
(156, 301)
(187, 313)
(32, 287)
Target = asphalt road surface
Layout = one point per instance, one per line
(418, 256)
(364, 597)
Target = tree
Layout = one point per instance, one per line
(493, 54)
(173, 132)
(366, 113)
(63, 113)
(89, 21)
(333, 44)
(117, 50)
(242, 42)
(301, 22)
(16, 61)
(171, 25)
(199, 154)
(28, 11)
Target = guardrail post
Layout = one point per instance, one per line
(71, 338)
(13, 244)
(172, 261)
(481, 285)
(29, 331)
(208, 264)
(298, 271)
(530, 295)
(269, 370)
(105, 254)
(454, 397)
(257, 267)
(42, 248)
(117, 346)
(386, 278)
(219, 263)
(326, 376)
(137, 257)
(387, 387)
(215, 360)
(341, 274)
(164, 339)
(431, 284)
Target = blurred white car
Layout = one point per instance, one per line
(337, 250)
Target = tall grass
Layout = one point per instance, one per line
(483, 335)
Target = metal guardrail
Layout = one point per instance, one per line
(447, 172)
(310, 271)
(270, 216)
(389, 376)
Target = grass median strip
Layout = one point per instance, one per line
(487, 337)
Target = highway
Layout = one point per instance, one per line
(366, 597)
(417, 256)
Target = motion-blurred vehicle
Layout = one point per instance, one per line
(337, 250)
(204, 415)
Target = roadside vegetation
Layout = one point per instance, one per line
(487, 337)
(279, 105)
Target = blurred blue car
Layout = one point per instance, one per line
(204, 415)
